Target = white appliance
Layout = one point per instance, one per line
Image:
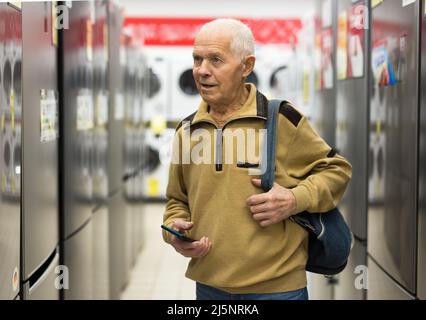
(157, 117)
(270, 60)
(10, 118)
(158, 77)
(159, 150)
(184, 94)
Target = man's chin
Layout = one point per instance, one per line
(207, 97)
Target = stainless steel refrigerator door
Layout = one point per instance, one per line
(47, 284)
(392, 214)
(137, 210)
(79, 259)
(101, 254)
(119, 231)
(10, 202)
(9, 248)
(352, 114)
(119, 260)
(382, 287)
(421, 242)
(77, 117)
(324, 115)
(40, 156)
(351, 283)
(101, 103)
(115, 84)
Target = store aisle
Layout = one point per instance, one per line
(159, 272)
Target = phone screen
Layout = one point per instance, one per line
(177, 234)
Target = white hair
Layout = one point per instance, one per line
(242, 43)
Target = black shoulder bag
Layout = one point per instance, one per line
(330, 239)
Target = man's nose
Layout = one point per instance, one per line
(204, 69)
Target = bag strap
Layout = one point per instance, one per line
(268, 177)
(271, 131)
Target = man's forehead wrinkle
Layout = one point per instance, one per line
(214, 37)
(217, 31)
(211, 42)
(210, 49)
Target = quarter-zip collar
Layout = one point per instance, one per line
(254, 107)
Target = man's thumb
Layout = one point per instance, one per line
(188, 224)
(181, 224)
(257, 182)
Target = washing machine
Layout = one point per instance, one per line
(270, 60)
(10, 141)
(135, 88)
(158, 86)
(2, 62)
(11, 110)
(158, 158)
(132, 87)
(158, 123)
(185, 97)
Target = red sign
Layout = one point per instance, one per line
(182, 31)
(357, 24)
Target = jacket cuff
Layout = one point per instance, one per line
(167, 235)
(303, 200)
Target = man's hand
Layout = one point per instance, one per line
(196, 249)
(272, 207)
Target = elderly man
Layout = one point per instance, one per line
(246, 247)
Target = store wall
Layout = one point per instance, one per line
(204, 8)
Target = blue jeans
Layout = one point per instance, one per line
(205, 292)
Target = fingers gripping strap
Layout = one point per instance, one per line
(271, 128)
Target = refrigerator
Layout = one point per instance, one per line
(352, 127)
(393, 134)
(134, 73)
(382, 287)
(39, 151)
(10, 159)
(102, 182)
(421, 235)
(324, 114)
(120, 218)
(324, 110)
(77, 122)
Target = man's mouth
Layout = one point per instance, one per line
(207, 86)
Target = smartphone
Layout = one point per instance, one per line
(177, 234)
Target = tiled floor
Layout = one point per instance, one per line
(159, 272)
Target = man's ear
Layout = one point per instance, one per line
(248, 65)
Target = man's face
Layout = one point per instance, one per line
(217, 72)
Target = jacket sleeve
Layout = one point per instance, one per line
(177, 198)
(324, 174)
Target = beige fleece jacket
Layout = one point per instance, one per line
(246, 258)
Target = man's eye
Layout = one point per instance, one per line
(216, 60)
(197, 60)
